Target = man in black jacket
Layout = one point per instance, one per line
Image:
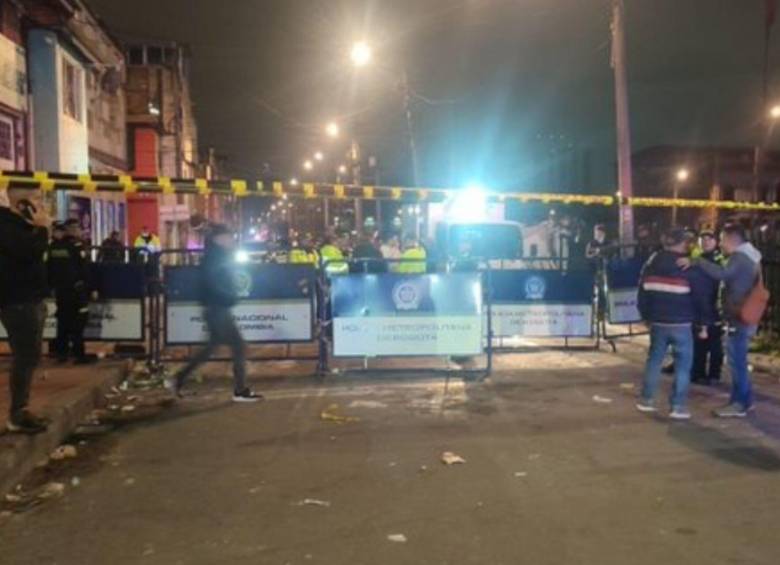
(24, 233)
(219, 294)
(708, 346)
(69, 276)
(671, 301)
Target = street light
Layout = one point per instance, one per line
(361, 54)
(293, 182)
(333, 130)
(682, 176)
(342, 169)
(774, 112)
(318, 156)
(308, 165)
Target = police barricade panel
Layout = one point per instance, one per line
(403, 315)
(622, 287)
(117, 315)
(542, 303)
(276, 304)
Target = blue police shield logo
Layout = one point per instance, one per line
(243, 282)
(535, 288)
(407, 295)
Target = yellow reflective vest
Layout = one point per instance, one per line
(412, 261)
(333, 259)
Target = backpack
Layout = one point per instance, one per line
(754, 306)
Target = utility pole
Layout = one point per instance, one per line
(758, 151)
(407, 95)
(625, 185)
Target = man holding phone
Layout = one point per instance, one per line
(24, 233)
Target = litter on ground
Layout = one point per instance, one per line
(333, 414)
(397, 538)
(450, 458)
(601, 399)
(63, 452)
(314, 502)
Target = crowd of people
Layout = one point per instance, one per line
(692, 291)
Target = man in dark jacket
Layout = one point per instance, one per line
(671, 301)
(708, 345)
(24, 233)
(739, 276)
(219, 294)
(69, 277)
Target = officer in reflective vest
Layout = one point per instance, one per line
(413, 258)
(69, 276)
(333, 258)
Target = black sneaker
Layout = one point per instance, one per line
(87, 360)
(26, 423)
(247, 395)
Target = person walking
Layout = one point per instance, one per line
(708, 351)
(739, 275)
(24, 234)
(218, 296)
(70, 277)
(670, 301)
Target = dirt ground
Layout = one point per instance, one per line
(560, 469)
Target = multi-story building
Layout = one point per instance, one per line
(14, 105)
(76, 71)
(162, 136)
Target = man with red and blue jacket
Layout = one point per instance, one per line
(672, 302)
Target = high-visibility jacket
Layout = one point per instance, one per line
(150, 243)
(413, 261)
(333, 259)
(303, 257)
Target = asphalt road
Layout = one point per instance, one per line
(552, 476)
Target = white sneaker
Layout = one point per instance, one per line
(680, 414)
(645, 406)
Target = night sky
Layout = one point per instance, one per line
(508, 82)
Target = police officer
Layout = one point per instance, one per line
(69, 277)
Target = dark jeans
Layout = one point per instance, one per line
(737, 346)
(72, 318)
(680, 339)
(704, 350)
(222, 331)
(24, 325)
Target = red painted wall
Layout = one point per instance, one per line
(142, 211)
(145, 148)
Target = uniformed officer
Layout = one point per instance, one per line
(70, 279)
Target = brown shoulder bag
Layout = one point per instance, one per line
(755, 304)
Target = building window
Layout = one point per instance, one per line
(154, 55)
(136, 56)
(72, 90)
(6, 140)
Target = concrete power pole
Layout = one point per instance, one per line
(625, 183)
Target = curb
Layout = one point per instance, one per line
(20, 454)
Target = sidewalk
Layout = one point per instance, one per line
(66, 395)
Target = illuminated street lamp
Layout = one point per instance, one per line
(682, 176)
(333, 130)
(308, 165)
(293, 182)
(774, 112)
(361, 54)
(318, 156)
(342, 169)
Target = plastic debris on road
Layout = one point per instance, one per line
(128, 408)
(75, 481)
(367, 404)
(601, 399)
(450, 458)
(520, 474)
(333, 414)
(63, 452)
(627, 386)
(313, 502)
(129, 482)
(50, 490)
(397, 538)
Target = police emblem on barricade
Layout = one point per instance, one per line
(407, 295)
(243, 282)
(535, 288)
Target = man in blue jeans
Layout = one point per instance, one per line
(670, 301)
(739, 276)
